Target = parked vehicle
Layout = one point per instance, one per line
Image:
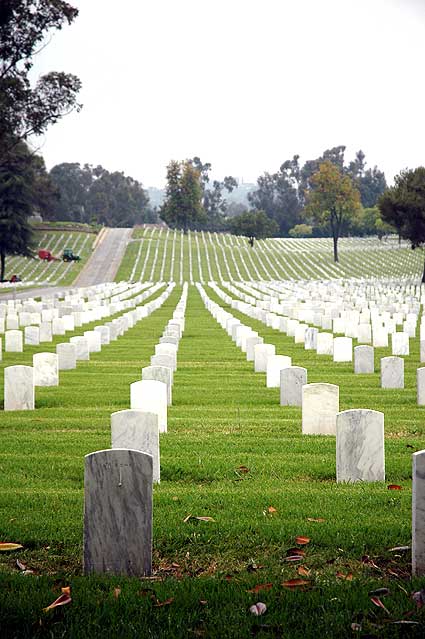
(46, 255)
(69, 256)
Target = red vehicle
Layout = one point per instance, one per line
(46, 255)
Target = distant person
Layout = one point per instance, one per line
(251, 241)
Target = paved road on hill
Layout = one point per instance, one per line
(102, 266)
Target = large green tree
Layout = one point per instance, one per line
(332, 201)
(403, 207)
(182, 207)
(214, 202)
(18, 178)
(28, 108)
(255, 225)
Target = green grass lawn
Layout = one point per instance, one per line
(233, 454)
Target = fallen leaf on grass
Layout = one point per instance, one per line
(317, 520)
(294, 558)
(295, 551)
(65, 598)
(347, 577)
(203, 602)
(303, 571)
(186, 519)
(302, 541)
(379, 592)
(23, 568)
(167, 602)
(258, 609)
(394, 487)
(406, 622)
(296, 583)
(242, 469)
(356, 627)
(399, 549)
(117, 592)
(271, 510)
(378, 602)
(5, 545)
(259, 587)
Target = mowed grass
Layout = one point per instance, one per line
(233, 454)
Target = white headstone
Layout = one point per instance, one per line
(325, 344)
(360, 446)
(160, 374)
(292, 380)
(418, 513)
(275, 363)
(364, 360)
(343, 349)
(81, 344)
(32, 335)
(46, 369)
(420, 386)
(320, 405)
(392, 372)
(66, 356)
(137, 430)
(151, 397)
(18, 388)
(261, 354)
(13, 342)
(400, 344)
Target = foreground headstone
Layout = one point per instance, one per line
(392, 372)
(420, 386)
(18, 388)
(364, 360)
(292, 380)
(118, 513)
(137, 430)
(418, 513)
(320, 405)
(400, 344)
(360, 446)
(151, 397)
(325, 344)
(46, 369)
(275, 363)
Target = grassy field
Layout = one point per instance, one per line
(165, 254)
(36, 271)
(233, 454)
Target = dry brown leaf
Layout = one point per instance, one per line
(296, 583)
(5, 545)
(302, 541)
(204, 518)
(186, 519)
(303, 571)
(203, 602)
(66, 590)
(378, 602)
(271, 510)
(347, 577)
(117, 592)
(243, 469)
(295, 551)
(259, 587)
(318, 520)
(394, 487)
(60, 601)
(167, 602)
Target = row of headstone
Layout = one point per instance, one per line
(119, 482)
(20, 381)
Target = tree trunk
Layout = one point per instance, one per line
(2, 265)
(335, 241)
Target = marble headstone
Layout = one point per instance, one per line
(151, 397)
(18, 388)
(275, 363)
(320, 405)
(137, 430)
(46, 369)
(160, 374)
(364, 360)
(292, 380)
(418, 513)
(118, 513)
(261, 353)
(360, 446)
(343, 349)
(392, 372)
(66, 353)
(13, 342)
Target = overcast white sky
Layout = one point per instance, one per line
(244, 84)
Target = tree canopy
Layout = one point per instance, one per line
(255, 225)
(332, 200)
(403, 206)
(182, 207)
(26, 108)
(94, 195)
